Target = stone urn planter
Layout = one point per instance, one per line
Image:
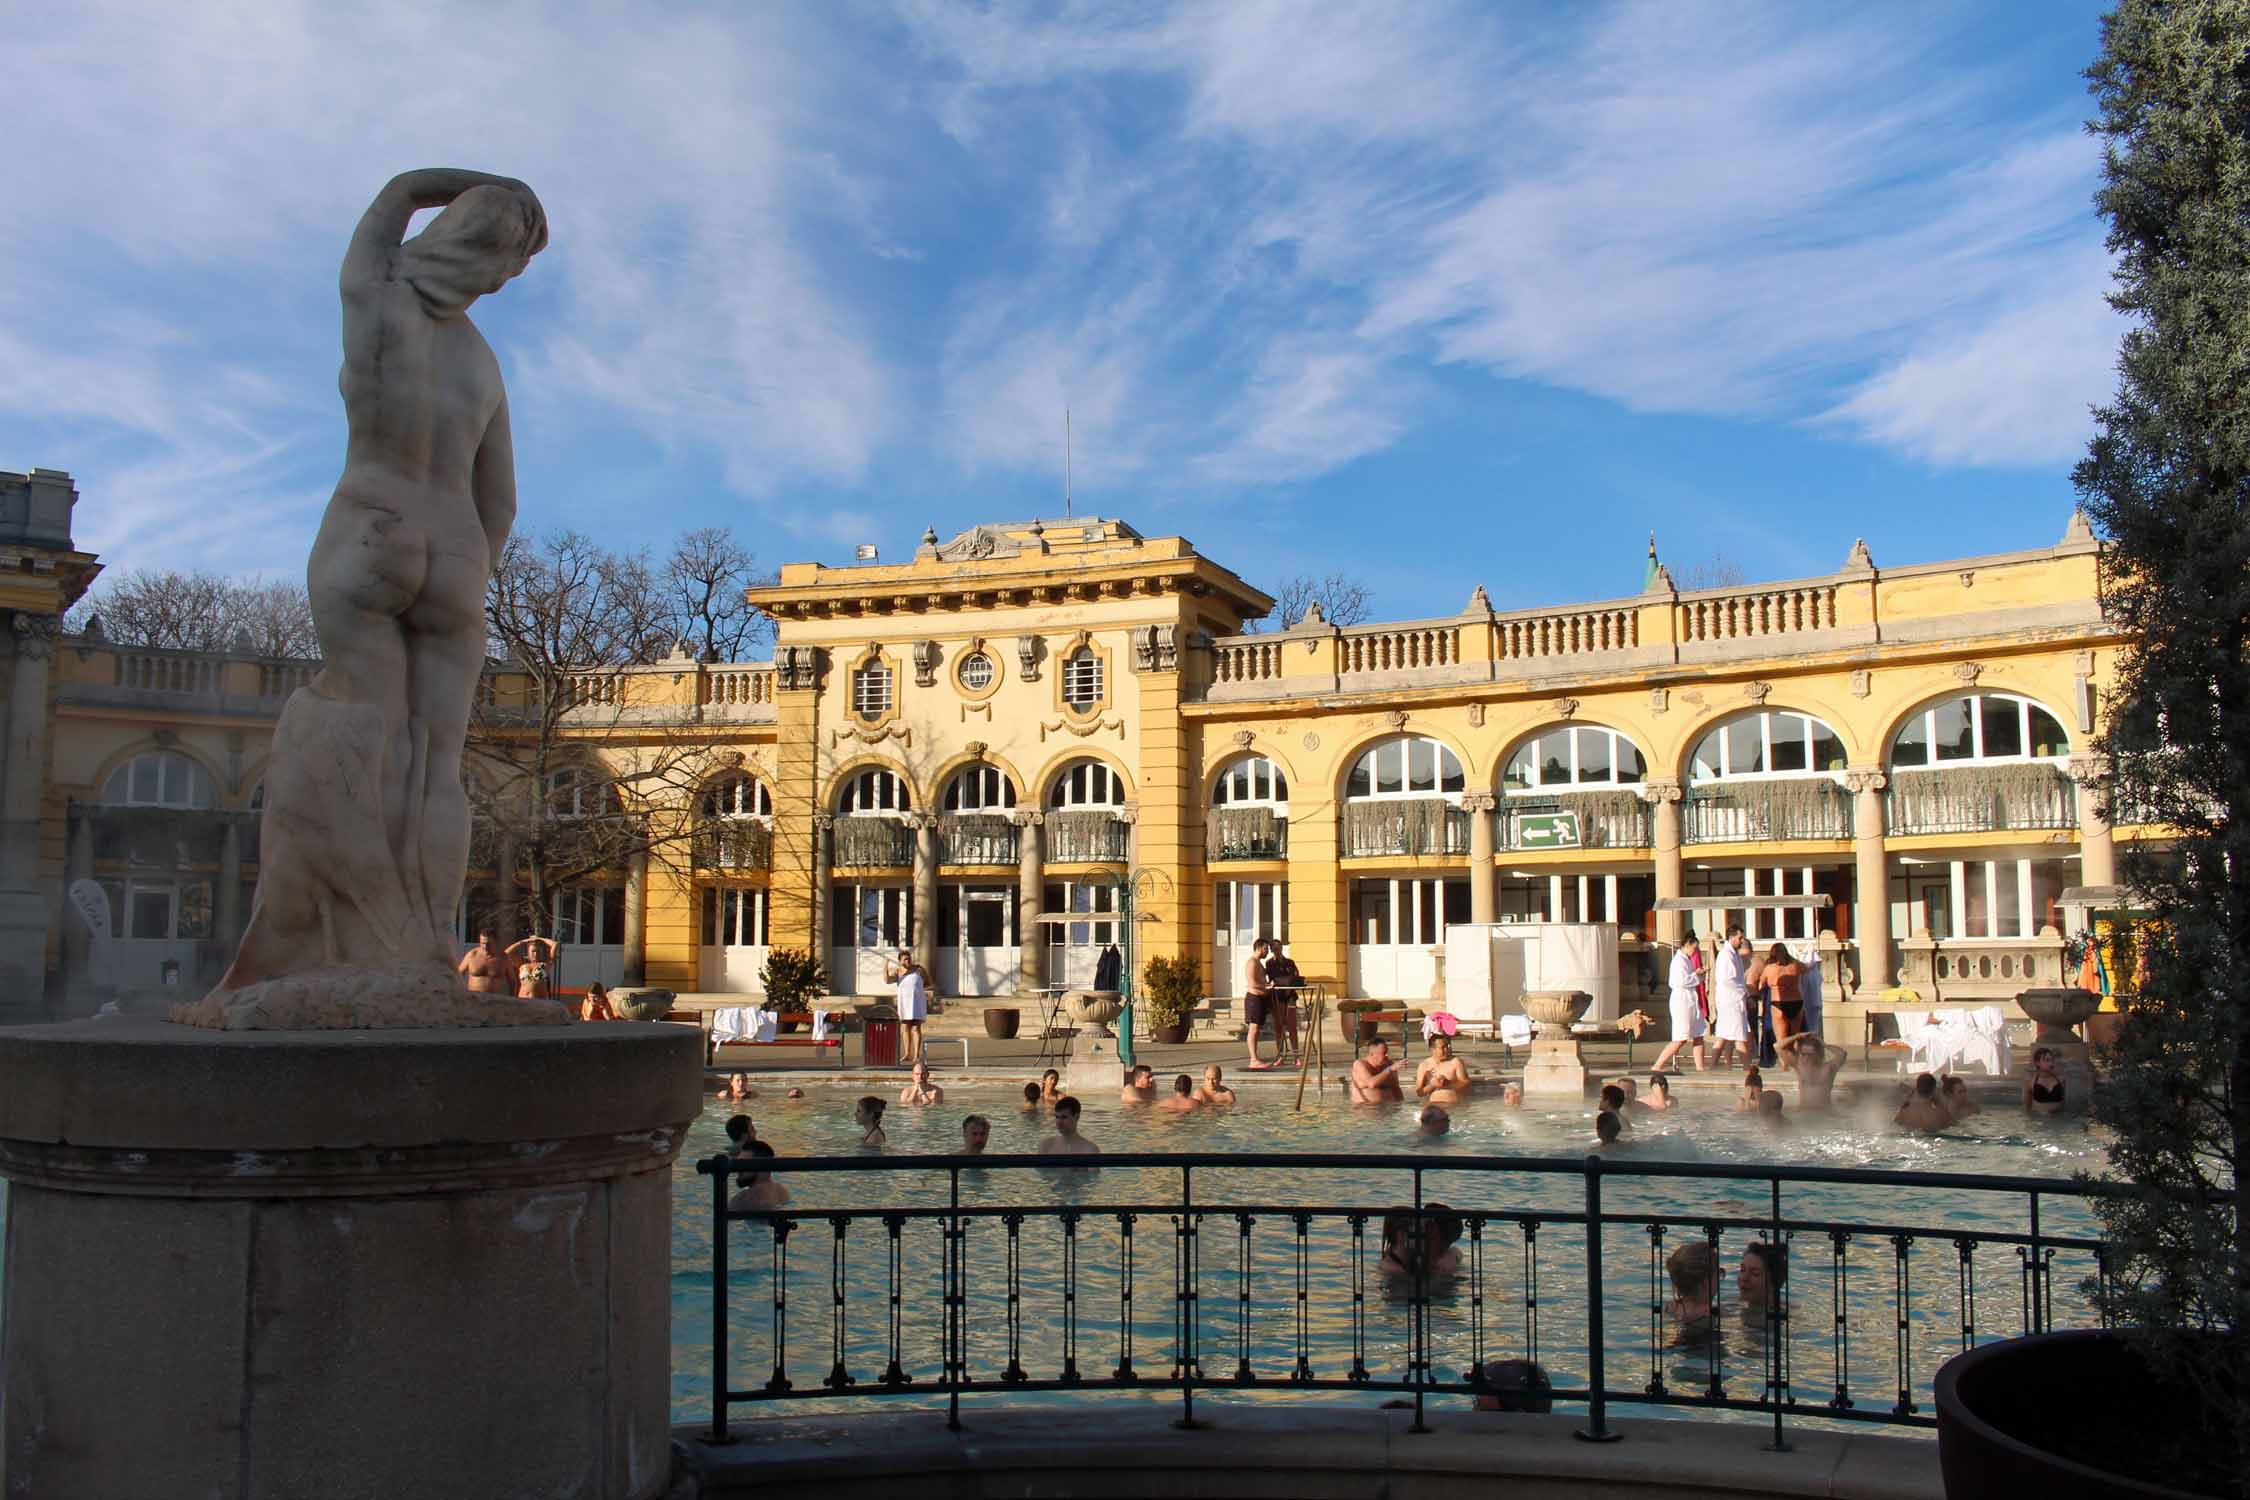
(1170, 1035)
(2005, 1426)
(1093, 1010)
(1356, 1030)
(641, 1005)
(1554, 1012)
(1002, 1022)
(2059, 1012)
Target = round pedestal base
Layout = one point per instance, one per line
(340, 1263)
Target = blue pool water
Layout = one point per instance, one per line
(1858, 1348)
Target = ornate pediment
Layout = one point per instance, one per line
(978, 543)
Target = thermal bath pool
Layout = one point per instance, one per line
(1518, 1293)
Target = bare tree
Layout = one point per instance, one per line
(202, 611)
(563, 615)
(703, 583)
(1343, 600)
(1718, 571)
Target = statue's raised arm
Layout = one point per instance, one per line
(366, 828)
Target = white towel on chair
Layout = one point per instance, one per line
(1515, 1030)
(734, 1023)
(820, 1025)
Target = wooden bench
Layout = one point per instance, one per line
(711, 1043)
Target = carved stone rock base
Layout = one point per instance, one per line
(360, 999)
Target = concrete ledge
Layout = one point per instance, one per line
(136, 1084)
(1130, 1448)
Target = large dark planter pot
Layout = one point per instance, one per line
(1001, 1025)
(2004, 1409)
(1170, 1035)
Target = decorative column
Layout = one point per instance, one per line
(229, 903)
(1663, 798)
(1871, 879)
(23, 906)
(823, 886)
(1130, 816)
(925, 892)
(2097, 849)
(1479, 806)
(1031, 934)
(635, 941)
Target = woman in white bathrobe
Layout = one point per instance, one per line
(1686, 983)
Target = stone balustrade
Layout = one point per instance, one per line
(1995, 969)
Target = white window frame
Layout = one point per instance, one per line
(1416, 902)
(977, 671)
(730, 911)
(1087, 783)
(1536, 786)
(1925, 718)
(1261, 904)
(1082, 684)
(200, 795)
(875, 792)
(979, 789)
(724, 799)
(1370, 758)
(871, 690)
(1765, 717)
(579, 785)
(1251, 781)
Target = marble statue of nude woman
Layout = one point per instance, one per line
(366, 828)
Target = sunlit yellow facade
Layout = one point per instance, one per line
(1010, 721)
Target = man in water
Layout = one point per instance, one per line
(1182, 1100)
(1033, 1101)
(1442, 1078)
(738, 1087)
(1613, 1101)
(1140, 1086)
(1066, 1141)
(920, 1090)
(758, 1189)
(1374, 1077)
(1433, 1122)
(1770, 1117)
(1816, 1069)
(1516, 1385)
(1213, 1090)
(1694, 1269)
(1924, 1110)
(490, 971)
(740, 1134)
(1511, 1095)
(1765, 1270)
(975, 1131)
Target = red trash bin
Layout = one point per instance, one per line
(878, 1045)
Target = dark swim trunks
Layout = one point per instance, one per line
(1255, 1009)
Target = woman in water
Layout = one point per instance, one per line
(1694, 1269)
(2043, 1090)
(1441, 1229)
(1753, 1084)
(1780, 978)
(1659, 1092)
(869, 1118)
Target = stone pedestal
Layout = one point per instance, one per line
(1094, 1071)
(249, 1264)
(1557, 1067)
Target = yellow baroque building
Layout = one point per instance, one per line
(944, 748)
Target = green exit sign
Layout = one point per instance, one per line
(1547, 831)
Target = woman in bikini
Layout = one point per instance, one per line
(2043, 1090)
(1780, 979)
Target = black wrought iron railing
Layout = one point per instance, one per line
(1319, 1280)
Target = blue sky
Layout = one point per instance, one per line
(1437, 294)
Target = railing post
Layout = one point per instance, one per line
(1596, 1429)
(1418, 1324)
(2038, 1299)
(719, 1304)
(1777, 1322)
(954, 1307)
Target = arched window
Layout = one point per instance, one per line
(1082, 679)
(1087, 783)
(1252, 781)
(1250, 811)
(737, 796)
(875, 791)
(1768, 743)
(1979, 727)
(871, 690)
(159, 778)
(1573, 756)
(1409, 766)
(979, 789)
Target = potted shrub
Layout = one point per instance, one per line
(1170, 988)
(1349, 1020)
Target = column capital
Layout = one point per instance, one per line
(1660, 792)
(1865, 778)
(825, 822)
(2091, 766)
(1129, 814)
(1027, 817)
(1479, 801)
(920, 821)
(34, 634)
